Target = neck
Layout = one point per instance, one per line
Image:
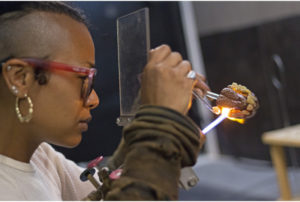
(14, 136)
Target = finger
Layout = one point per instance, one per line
(201, 77)
(201, 83)
(202, 86)
(199, 92)
(172, 60)
(159, 53)
(184, 67)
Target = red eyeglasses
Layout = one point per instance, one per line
(88, 83)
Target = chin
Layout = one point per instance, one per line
(70, 142)
(74, 142)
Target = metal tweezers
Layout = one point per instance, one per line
(210, 95)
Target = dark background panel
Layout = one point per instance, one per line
(246, 57)
(282, 38)
(235, 57)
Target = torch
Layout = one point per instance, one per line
(223, 111)
(224, 114)
(213, 124)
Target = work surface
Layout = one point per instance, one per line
(230, 179)
(289, 136)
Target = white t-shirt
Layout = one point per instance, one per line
(48, 176)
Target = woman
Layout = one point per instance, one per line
(46, 92)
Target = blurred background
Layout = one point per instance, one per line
(255, 44)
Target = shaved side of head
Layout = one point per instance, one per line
(28, 30)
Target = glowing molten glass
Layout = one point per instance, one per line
(227, 112)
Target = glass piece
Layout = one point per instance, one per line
(133, 47)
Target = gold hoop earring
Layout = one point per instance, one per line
(28, 117)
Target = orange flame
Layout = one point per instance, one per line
(241, 121)
(226, 111)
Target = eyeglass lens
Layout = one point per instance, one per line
(87, 87)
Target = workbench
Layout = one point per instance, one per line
(278, 139)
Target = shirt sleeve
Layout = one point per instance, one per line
(157, 144)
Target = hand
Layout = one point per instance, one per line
(164, 80)
(201, 87)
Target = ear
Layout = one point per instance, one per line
(18, 75)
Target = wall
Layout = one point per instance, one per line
(215, 16)
(239, 41)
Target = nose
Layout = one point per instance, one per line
(93, 100)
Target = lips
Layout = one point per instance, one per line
(83, 124)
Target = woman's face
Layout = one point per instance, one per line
(60, 114)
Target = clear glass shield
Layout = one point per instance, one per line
(133, 46)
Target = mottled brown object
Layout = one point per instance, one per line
(229, 98)
(242, 101)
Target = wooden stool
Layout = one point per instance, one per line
(277, 139)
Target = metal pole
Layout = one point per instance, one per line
(195, 56)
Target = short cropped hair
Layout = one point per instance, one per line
(12, 11)
(26, 7)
